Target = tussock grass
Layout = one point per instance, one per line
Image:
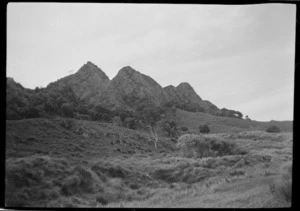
(45, 181)
(40, 179)
(260, 135)
(282, 189)
(184, 173)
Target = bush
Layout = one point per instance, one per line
(32, 113)
(184, 172)
(130, 123)
(102, 199)
(200, 146)
(67, 110)
(273, 129)
(28, 179)
(82, 180)
(66, 124)
(204, 129)
(170, 127)
(49, 106)
(83, 109)
(184, 129)
(11, 114)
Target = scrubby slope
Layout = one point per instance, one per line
(72, 138)
(74, 163)
(252, 180)
(219, 124)
(74, 158)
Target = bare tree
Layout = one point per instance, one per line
(153, 135)
(115, 125)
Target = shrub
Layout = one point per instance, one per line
(109, 170)
(170, 127)
(130, 123)
(273, 129)
(11, 114)
(201, 146)
(184, 129)
(49, 106)
(32, 113)
(66, 124)
(184, 172)
(102, 199)
(204, 129)
(134, 186)
(81, 180)
(27, 179)
(67, 110)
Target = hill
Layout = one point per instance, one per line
(219, 124)
(129, 90)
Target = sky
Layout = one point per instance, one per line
(240, 57)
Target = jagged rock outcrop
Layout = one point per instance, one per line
(185, 90)
(88, 83)
(185, 94)
(172, 94)
(91, 85)
(135, 88)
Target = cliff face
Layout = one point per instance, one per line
(134, 88)
(129, 89)
(87, 83)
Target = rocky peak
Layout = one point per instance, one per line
(129, 89)
(90, 69)
(184, 86)
(88, 82)
(135, 87)
(171, 87)
(127, 69)
(187, 90)
(128, 72)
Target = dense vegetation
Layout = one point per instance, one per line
(273, 129)
(204, 129)
(22, 103)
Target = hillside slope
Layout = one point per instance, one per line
(219, 124)
(63, 162)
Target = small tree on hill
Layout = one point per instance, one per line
(204, 129)
(247, 117)
(151, 118)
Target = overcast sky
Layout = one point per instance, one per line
(239, 57)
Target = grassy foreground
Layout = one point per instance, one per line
(72, 163)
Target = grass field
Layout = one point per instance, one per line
(74, 163)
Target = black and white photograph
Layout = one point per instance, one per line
(135, 105)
